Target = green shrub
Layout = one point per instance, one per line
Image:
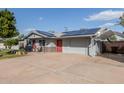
(4, 52)
(10, 42)
(21, 52)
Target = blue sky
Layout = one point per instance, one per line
(56, 19)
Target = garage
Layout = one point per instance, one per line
(76, 45)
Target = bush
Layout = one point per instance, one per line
(4, 52)
(21, 52)
(10, 42)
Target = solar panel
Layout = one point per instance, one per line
(81, 32)
(71, 33)
(46, 33)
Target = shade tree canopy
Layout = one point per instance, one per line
(7, 24)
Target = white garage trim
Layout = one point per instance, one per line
(76, 45)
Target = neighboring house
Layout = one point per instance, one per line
(112, 42)
(119, 36)
(112, 36)
(15, 47)
(78, 42)
(1, 44)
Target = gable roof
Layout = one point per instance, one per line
(48, 34)
(75, 33)
(81, 32)
(40, 33)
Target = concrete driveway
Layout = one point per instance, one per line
(60, 68)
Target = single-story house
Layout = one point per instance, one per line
(81, 41)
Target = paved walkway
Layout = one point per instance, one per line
(60, 68)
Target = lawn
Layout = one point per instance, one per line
(4, 54)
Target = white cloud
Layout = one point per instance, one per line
(105, 15)
(29, 29)
(108, 25)
(40, 18)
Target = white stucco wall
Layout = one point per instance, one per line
(50, 42)
(16, 47)
(92, 48)
(76, 45)
(34, 36)
(98, 47)
(2, 46)
(81, 45)
(25, 42)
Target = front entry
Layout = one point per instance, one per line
(59, 45)
(33, 45)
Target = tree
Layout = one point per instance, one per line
(21, 36)
(10, 42)
(122, 20)
(113, 38)
(7, 24)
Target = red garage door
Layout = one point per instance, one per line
(59, 45)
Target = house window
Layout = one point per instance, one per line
(29, 42)
(40, 42)
(43, 42)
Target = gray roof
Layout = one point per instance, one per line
(45, 33)
(81, 32)
(106, 35)
(119, 34)
(109, 34)
(38, 32)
